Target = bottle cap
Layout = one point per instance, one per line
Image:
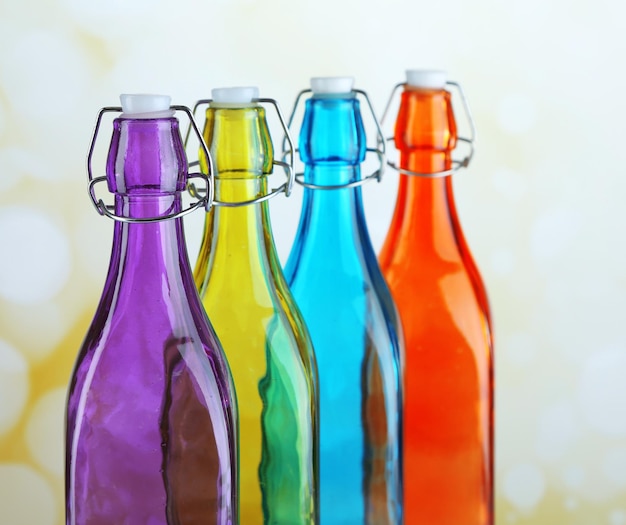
(145, 106)
(234, 96)
(426, 78)
(331, 85)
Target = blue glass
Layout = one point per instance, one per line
(334, 276)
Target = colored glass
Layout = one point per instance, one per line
(448, 396)
(267, 345)
(334, 276)
(151, 430)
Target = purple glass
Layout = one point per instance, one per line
(151, 416)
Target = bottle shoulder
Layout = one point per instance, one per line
(342, 271)
(137, 339)
(260, 315)
(122, 362)
(352, 295)
(421, 277)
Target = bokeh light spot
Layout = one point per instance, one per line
(36, 262)
(44, 432)
(14, 386)
(524, 486)
(25, 496)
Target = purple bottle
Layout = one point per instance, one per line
(151, 416)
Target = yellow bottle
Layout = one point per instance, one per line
(240, 280)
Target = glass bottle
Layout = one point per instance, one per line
(334, 275)
(245, 294)
(448, 396)
(151, 413)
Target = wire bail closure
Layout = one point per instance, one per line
(106, 210)
(456, 164)
(285, 187)
(380, 151)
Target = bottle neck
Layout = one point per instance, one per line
(425, 216)
(147, 171)
(146, 156)
(332, 218)
(332, 147)
(240, 229)
(238, 246)
(149, 256)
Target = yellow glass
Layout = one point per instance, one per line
(240, 280)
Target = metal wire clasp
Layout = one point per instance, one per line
(285, 187)
(380, 150)
(106, 210)
(470, 141)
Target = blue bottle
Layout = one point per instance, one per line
(334, 276)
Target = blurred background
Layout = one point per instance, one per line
(541, 204)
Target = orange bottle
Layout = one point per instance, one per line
(448, 368)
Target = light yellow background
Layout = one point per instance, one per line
(542, 204)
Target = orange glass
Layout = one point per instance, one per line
(448, 368)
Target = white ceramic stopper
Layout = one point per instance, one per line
(426, 78)
(145, 106)
(331, 85)
(235, 95)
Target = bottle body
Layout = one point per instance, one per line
(151, 416)
(334, 276)
(448, 404)
(267, 345)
